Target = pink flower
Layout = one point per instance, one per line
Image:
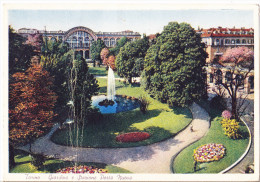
(226, 114)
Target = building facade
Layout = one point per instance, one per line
(80, 38)
(217, 41)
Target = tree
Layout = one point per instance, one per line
(104, 55)
(82, 86)
(36, 41)
(19, 53)
(173, 66)
(31, 104)
(95, 50)
(120, 43)
(127, 58)
(239, 61)
(111, 62)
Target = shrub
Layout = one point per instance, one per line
(132, 137)
(37, 160)
(218, 102)
(94, 115)
(144, 103)
(226, 114)
(231, 128)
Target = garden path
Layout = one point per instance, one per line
(154, 158)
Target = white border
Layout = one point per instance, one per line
(132, 5)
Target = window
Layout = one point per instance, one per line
(86, 43)
(237, 41)
(217, 41)
(227, 41)
(244, 41)
(113, 42)
(106, 40)
(233, 41)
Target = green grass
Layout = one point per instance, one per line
(160, 121)
(183, 163)
(23, 161)
(100, 71)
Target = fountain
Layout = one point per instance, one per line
(111, 86)
(112, 103)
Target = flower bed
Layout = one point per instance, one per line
(81, 169)
(132, 137)
(209, 152)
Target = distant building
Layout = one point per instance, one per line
(217, 41)
(80, 38)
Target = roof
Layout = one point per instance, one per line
(226, 32)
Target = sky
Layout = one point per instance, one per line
(142, 21)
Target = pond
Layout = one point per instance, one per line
(121, 104)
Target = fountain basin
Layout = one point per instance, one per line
(120, 104)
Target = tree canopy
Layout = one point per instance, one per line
(31, 105)
(95, 50)
(129, 57)
(20, 53)
(239, 62)
(120, 43)
(174, 65)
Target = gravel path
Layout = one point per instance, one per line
(154, 158)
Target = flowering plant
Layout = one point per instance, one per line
(132, 137)
(226, 114)
(231, 128)
(81, 169)
(209, 152)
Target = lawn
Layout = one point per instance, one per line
(183, 163)
(160, 121)
(100, 71)
(23, 160)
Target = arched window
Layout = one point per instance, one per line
(244, 41)
(112, 42)
(117, 39)
(237, 41)
(239, 79)
(86, 43)
(218, 77)
(74, 42)
(106, 40)
(228, 76)
(251, 82)
(232, 41)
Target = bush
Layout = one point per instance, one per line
(144, 103)
(231, 128)
(37, 160)
(94, 115)
(132, 137)
(218, 102)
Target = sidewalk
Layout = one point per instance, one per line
(154, 158)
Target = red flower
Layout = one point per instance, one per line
(132, 137)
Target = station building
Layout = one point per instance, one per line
(80, 38)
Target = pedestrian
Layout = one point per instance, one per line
(191, 128)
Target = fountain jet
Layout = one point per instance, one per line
(111, 86)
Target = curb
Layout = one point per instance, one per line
(245, 153)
